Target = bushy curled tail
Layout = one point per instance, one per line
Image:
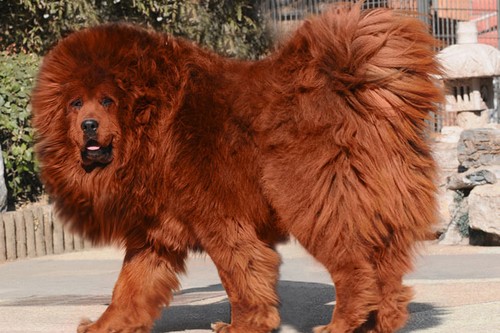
(378, 60)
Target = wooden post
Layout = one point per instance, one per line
(20, 234)
(58, 235)
(87, 244)
(78, 242)
(39, 234)
(3, 247)
(10, 235)
(30, 233)
(48, 230)
(69, 244)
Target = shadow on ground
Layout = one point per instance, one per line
(422, 316)
(303, 306)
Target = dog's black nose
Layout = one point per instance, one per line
(89, 126)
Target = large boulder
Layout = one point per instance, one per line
(479, 154)
(478, 148)
(475, 210)
(3, 188)
(484, 210)
(457, 230)
(446, 210)
(470, 179)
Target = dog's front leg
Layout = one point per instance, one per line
(144, 286)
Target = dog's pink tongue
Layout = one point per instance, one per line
(93, 148)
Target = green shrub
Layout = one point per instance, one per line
(231, 27)
(461, 212)
(17, 74)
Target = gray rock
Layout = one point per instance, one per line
(470, 179)
(445, 210)
(472, 119)
(484, 209)
(445, 155)
(495, 169)
(3, 187)
(479, 147)
(457, 230)
(449, 134)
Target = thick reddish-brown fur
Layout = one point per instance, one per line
(324, 140)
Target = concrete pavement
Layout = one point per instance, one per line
(457, 291)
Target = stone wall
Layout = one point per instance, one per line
(446, 155)
(35, 232)
(474, 189)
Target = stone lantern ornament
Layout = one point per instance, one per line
(469, 69)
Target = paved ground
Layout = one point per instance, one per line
(457, 291)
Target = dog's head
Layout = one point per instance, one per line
(94, 86)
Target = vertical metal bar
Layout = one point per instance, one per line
(449, 22)
(498, 23)
(423, 10)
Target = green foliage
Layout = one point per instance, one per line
(463, 225)
(461, 214)
(34, 26)
(16, 135)
(231, 27)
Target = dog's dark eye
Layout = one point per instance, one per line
(106, 101)
(77, 103)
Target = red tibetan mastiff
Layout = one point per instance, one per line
(155, 144)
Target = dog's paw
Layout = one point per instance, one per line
(84, 326)
(220, 327)
(322, 329)
(88, 326)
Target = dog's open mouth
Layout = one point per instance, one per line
(95, 154)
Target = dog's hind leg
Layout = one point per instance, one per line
(391, 265)
(357, 293)
(248, 269)
(370, 295)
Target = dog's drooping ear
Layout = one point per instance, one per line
(143, 108)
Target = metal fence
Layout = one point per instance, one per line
(446, 13)
(442, 16)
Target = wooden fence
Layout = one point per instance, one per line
(35, 232)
